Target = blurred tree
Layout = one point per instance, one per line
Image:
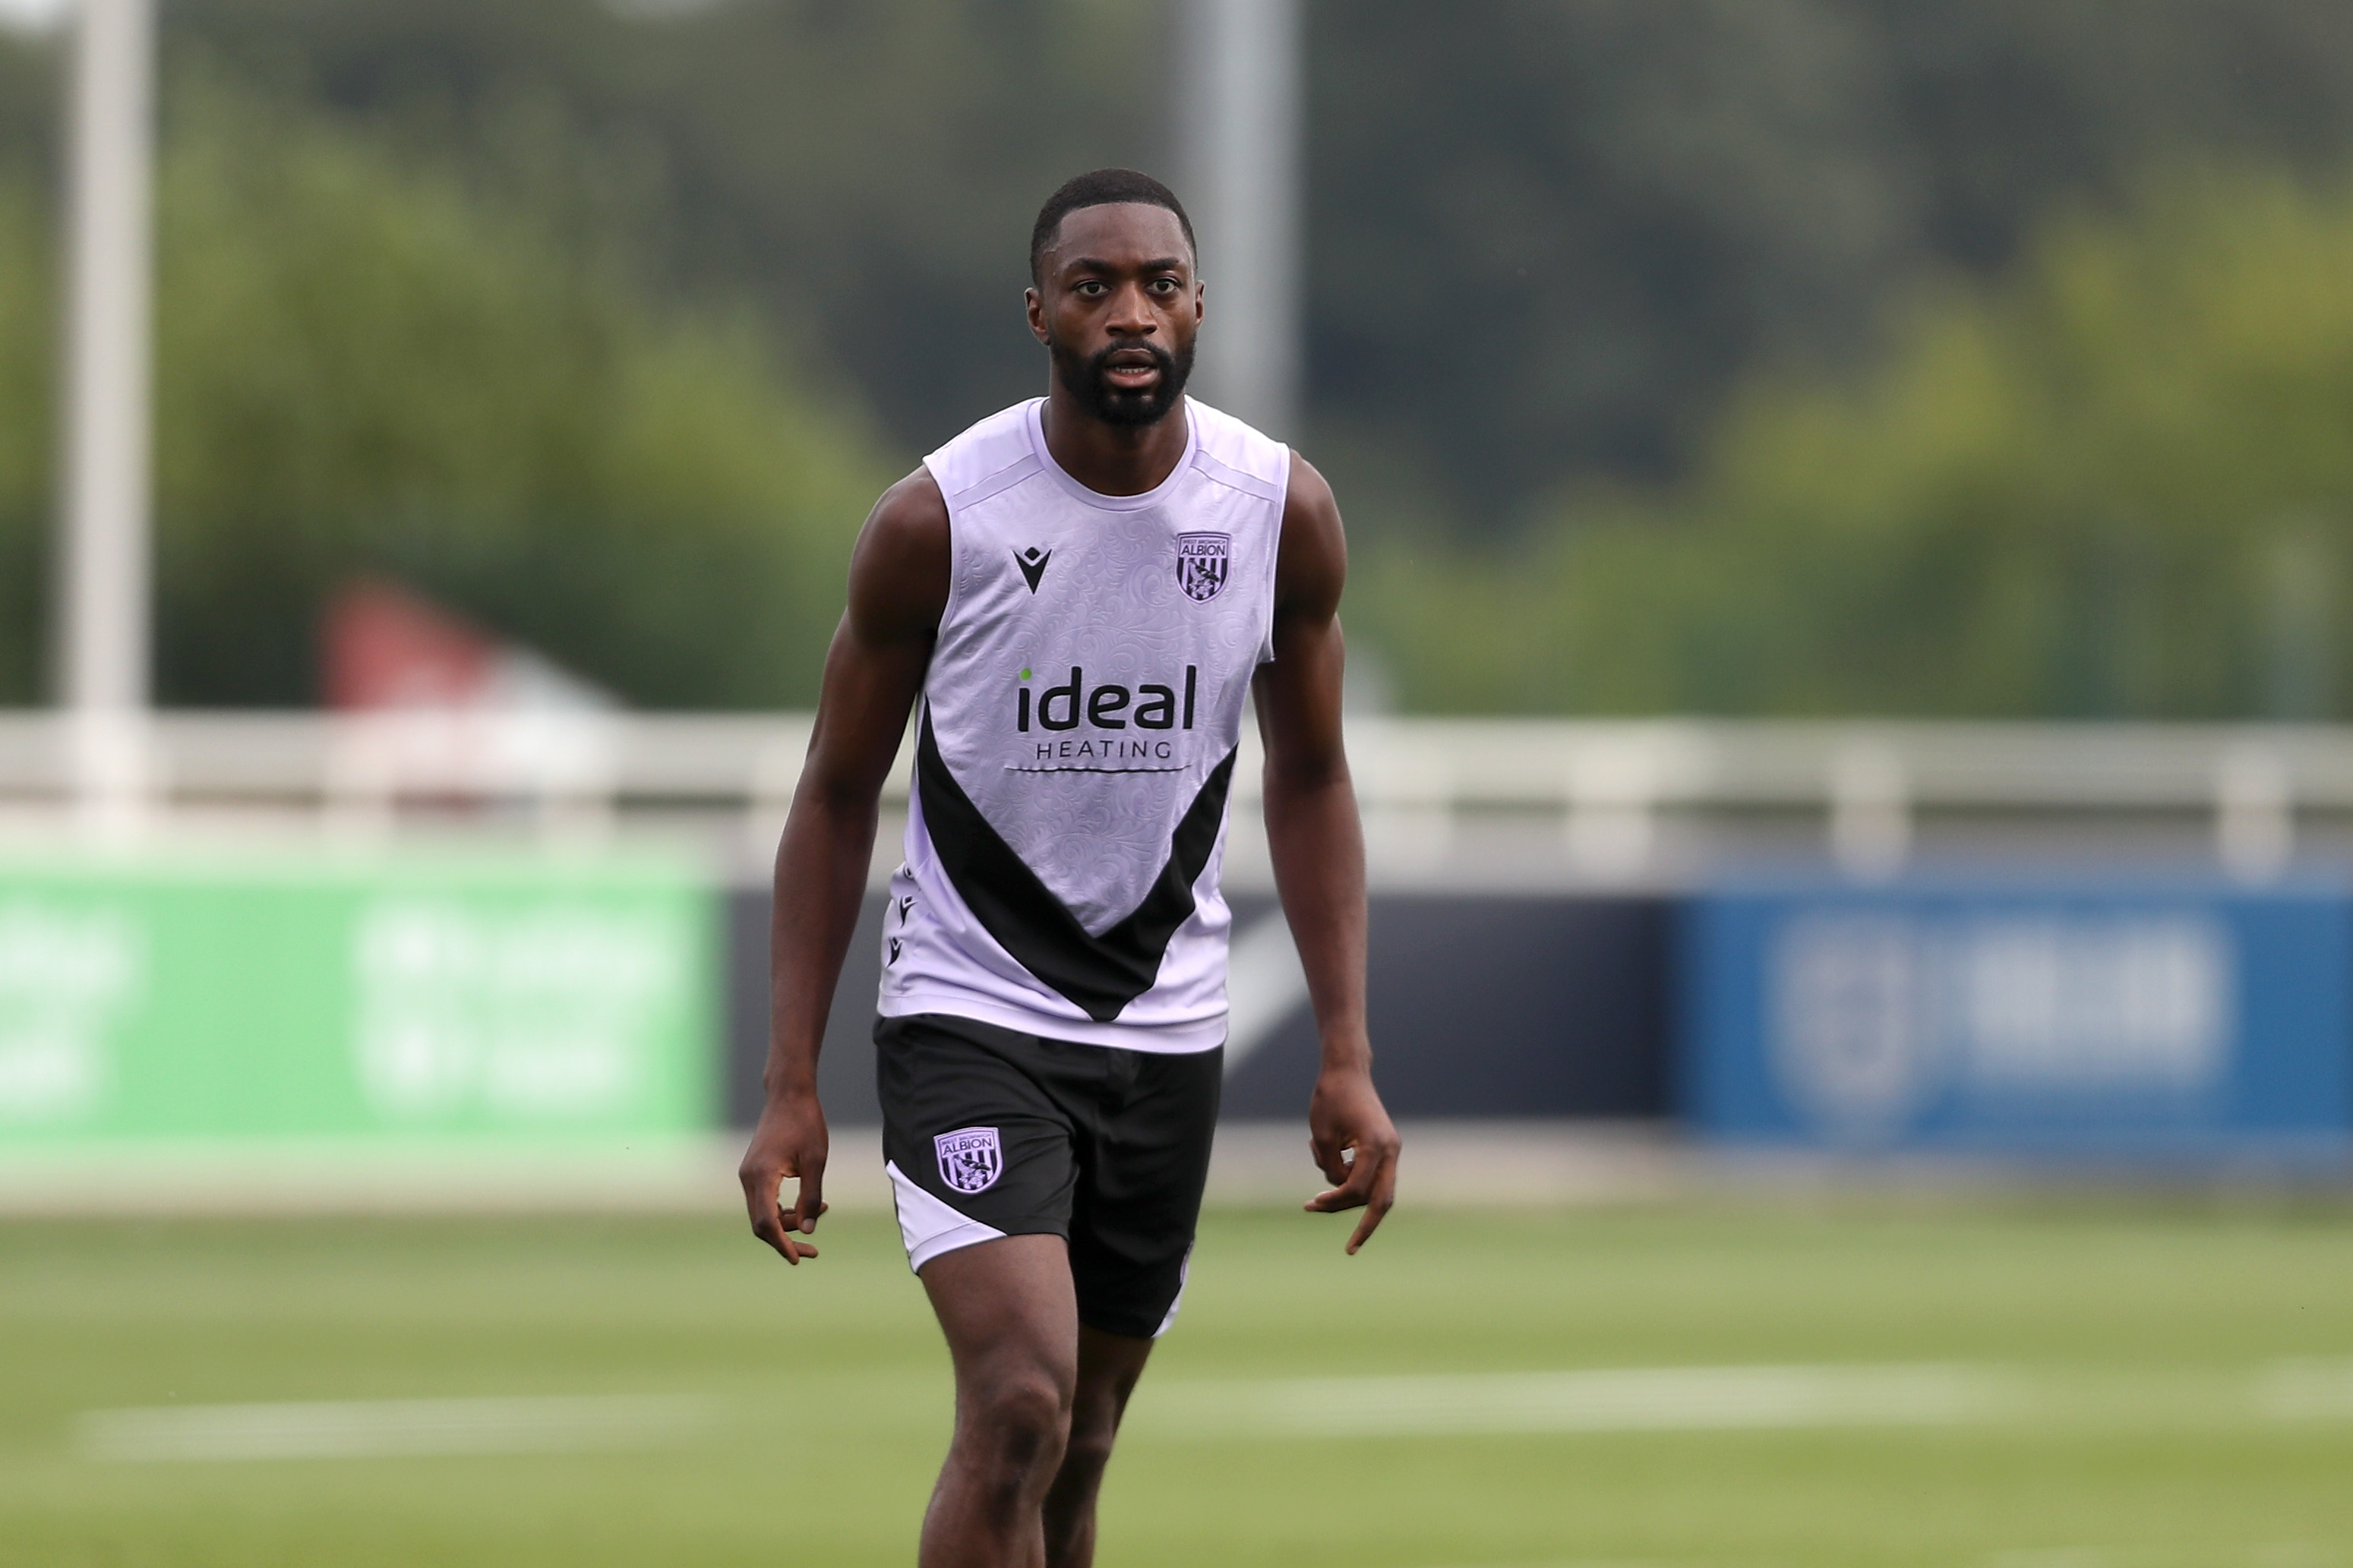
(1550, 238)
(363, 365)
(1547, 238)
(26, 430)
(2118, 485)
(867, 173)
(27, 434)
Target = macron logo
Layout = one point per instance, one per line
(1032, 562)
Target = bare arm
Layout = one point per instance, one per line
(1318, 848)
(898, 586)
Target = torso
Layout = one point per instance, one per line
(1077, 736)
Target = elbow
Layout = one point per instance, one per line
(835, 797)
(1307, 778)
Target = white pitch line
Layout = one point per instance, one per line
(1649, 1399)
(2262, 1554)
(1591, 1562)
(1735, 1398)
(2307, 1390)
(1600, 1562)
(388, 1429)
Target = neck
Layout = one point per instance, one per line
(1113, 459)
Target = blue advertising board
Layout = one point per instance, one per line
(2092, 1019)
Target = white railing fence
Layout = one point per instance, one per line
(1603, 787)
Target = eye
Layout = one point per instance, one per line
(1093, 288)
(1164, 284)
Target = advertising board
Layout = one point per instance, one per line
(313, 997)
(2068, 1019)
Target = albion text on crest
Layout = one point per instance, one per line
(971, 1159)
(1201, 563)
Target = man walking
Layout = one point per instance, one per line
(1083, 592)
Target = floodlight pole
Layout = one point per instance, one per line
(102, 605)
(1241, 120)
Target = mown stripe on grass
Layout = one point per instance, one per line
(1612, 1400)
(389, 1428)
(1736, 1398)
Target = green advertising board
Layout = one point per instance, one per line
(303, 997)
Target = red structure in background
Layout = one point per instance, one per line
(383, 647)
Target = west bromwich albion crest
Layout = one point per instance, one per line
(1202, 562)
(970, 1159)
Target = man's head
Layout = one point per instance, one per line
(1116, 300)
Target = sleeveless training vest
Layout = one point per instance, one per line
(1075, 743)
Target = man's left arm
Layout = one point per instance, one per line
(1318, 848)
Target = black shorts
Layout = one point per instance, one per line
(989, 1132)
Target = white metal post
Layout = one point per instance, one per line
(1241, 131)
(103, 599)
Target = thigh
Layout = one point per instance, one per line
(975, 1147)
(1144, 1162)
(1006, 1309)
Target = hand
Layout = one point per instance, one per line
(1356, 1146)
(789, 1141)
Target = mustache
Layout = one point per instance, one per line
(1087, 378)
(1100, 362)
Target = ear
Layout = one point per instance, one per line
(1036, 305)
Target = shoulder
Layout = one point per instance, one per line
(1312, 563)
(1237, 455)
(985, 457)
(899, 571)
(910, 515)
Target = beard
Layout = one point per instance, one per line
(1085, 380)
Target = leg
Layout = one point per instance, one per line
(1012, 1326)
(1109, 1365)
(1131, 1237)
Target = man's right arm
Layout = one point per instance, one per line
(898, 588)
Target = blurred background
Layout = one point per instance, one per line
(1852, 520)
(1791, 358)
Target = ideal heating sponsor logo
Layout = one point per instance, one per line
(1076, 725)
(1877, 1016)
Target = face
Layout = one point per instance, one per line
(1117, 308)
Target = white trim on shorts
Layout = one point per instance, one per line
(1184, 1277)
(928, 1226)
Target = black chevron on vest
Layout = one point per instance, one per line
(1100, 974)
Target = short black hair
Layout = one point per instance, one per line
(1102, 188)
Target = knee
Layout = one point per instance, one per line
(1020, 1423)
(1095, 1425)
(1087, 1450)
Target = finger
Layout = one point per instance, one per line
(1355, 1191)
(769, 1222)
(1349, 1194)
(1331, 1159)
(771, 1228)
(810, 1202)
(786, 1238)
(760, 1199)
(1384, 1198)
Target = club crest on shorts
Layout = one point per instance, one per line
(1201, 563)
(971, 1159)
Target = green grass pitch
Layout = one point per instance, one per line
(2132, 1345)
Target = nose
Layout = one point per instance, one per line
(1131, 313)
